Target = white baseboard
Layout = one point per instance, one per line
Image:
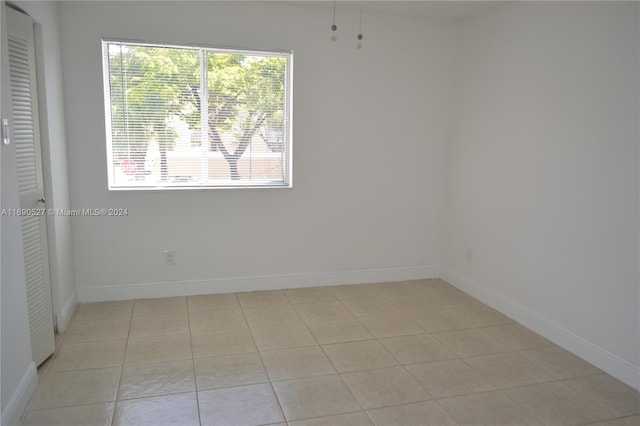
(242, 284)
(64, 316)
(590, 352)
(18, 402)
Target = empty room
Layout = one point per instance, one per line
(320, 213)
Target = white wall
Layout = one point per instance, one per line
(542, 167)
(16, 368)
(543, 173)
(54, 144)
(368, 153)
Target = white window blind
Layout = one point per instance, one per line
(193, 117)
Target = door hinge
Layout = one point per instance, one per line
(5, 132)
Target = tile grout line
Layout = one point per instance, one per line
(344, 382)
(124, 355)
(377, 340)
(395, 358)
(402, 365)
(193, 362)
(446, 347)
(329, 358)
(273, 390)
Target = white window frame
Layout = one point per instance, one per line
(288, 110)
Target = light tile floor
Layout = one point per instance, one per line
(407, 353)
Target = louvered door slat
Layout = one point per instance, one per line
(21, 101)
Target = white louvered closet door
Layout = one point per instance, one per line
(26, 137)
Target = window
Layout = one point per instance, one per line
(196, 117)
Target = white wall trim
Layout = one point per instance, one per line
(18, 402)
(614, 365)
(241, 284)
(64, 316)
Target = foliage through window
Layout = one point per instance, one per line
(185, 117)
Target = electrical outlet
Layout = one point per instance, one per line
(469, 255)
(169, 257)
